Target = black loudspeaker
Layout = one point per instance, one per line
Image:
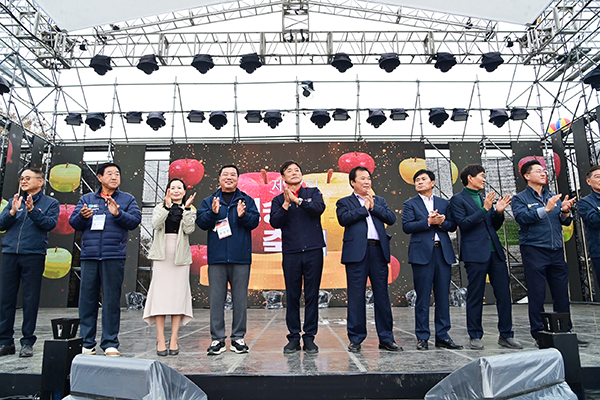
(56, 366)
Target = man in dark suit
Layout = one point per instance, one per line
(589, 211)
(483, 254)
(430, 253)
(366, 254)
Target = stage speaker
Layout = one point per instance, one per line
(98, 377)
(56, 365)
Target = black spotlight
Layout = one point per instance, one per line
(376, 117)
(101, 64)
(133, 117)
(389, 62)
(203, 62)
(196, 116)
(518, 114)
(74, 119)
(250, 62)
(491, 61)
(307, 88)
(509, 42)
(341, 62)
(95, 121)
(593, 78)
(253, 117)
(498, 117)
(273, 118)
(398, 114)
(4, 86)
(218, 119)
(459, 114)
(148, 64)
(340, 114)
(156, 120)
(444, 61)
(437, 116)
(83, 46)
(320, 118)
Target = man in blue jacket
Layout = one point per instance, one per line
(26, 220)
(228, 216)
(483, 254)
(366, 254)
(104, 218)
(589, 211)
(540, 215)
(426, 218)
(297, 212)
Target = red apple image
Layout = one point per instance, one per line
(394, 269)
(542, 161)
(263, 186)
(189, 170)
(350, 160)
(9, 153)
(63, 227)
(199, 258)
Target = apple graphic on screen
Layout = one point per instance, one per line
(63, 227)
(263, 186)
(9, 153)
(189, 170)
(3, 204)
(58, 263)
(568, 231)
(65, 177)
(350, 160)
(409, 167)
(199, 258)
(542, 161)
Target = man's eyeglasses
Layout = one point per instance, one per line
(28, 178)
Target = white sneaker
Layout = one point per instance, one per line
(112, 351)
(90, 352)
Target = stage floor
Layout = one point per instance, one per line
(266, 338)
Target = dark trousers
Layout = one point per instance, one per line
(25, 269)
(238, 276)
(596, 263)
(541, 266)
(436, 274)
(107, 274)
(498, 273)
(296, 266)
(374, 267)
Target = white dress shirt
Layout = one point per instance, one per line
(371, 230)
(429, 206)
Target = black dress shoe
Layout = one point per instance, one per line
(354, 347)
(447, 344)
(422, 344)
(7, 349)
(391, 346)
(292, 346)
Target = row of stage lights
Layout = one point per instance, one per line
(320, 117)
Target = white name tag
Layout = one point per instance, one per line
(223, 228)
(98, 221)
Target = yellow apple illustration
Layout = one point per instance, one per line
(58, 263)
(409, 167)
(65, 177)
(568, 232)
(3, 204)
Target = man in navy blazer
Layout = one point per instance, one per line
(425, 217)
(366, 254)
(483, 254)
(589, 211)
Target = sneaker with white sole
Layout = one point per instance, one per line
(216, 347)
(239, 346)
(90, 352)
(112, 352)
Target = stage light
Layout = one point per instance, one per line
(491, 61)
(95, 121)
(74, 119)
(459, 114)
(389, 62)
(218, 119)
(340, 114)
(133, 117)
(498, 117)
(518, 114)
(509, 42)
(444, 61)
(196, 116)
(307, 88)
(253, 116)
(341, 62)
(203, 63)
(156, 120)
(101, 64)
(437, 116)
(398, 114)
(148, 64)
(4, 86)
(376, 117)
(593, 78)
(83, 46)
(273, 118)
(250, 62)
(320, 118)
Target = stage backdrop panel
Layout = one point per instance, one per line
(37, 152)
(325, 165)
(523, 152)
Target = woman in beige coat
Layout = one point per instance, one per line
(169, 294)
